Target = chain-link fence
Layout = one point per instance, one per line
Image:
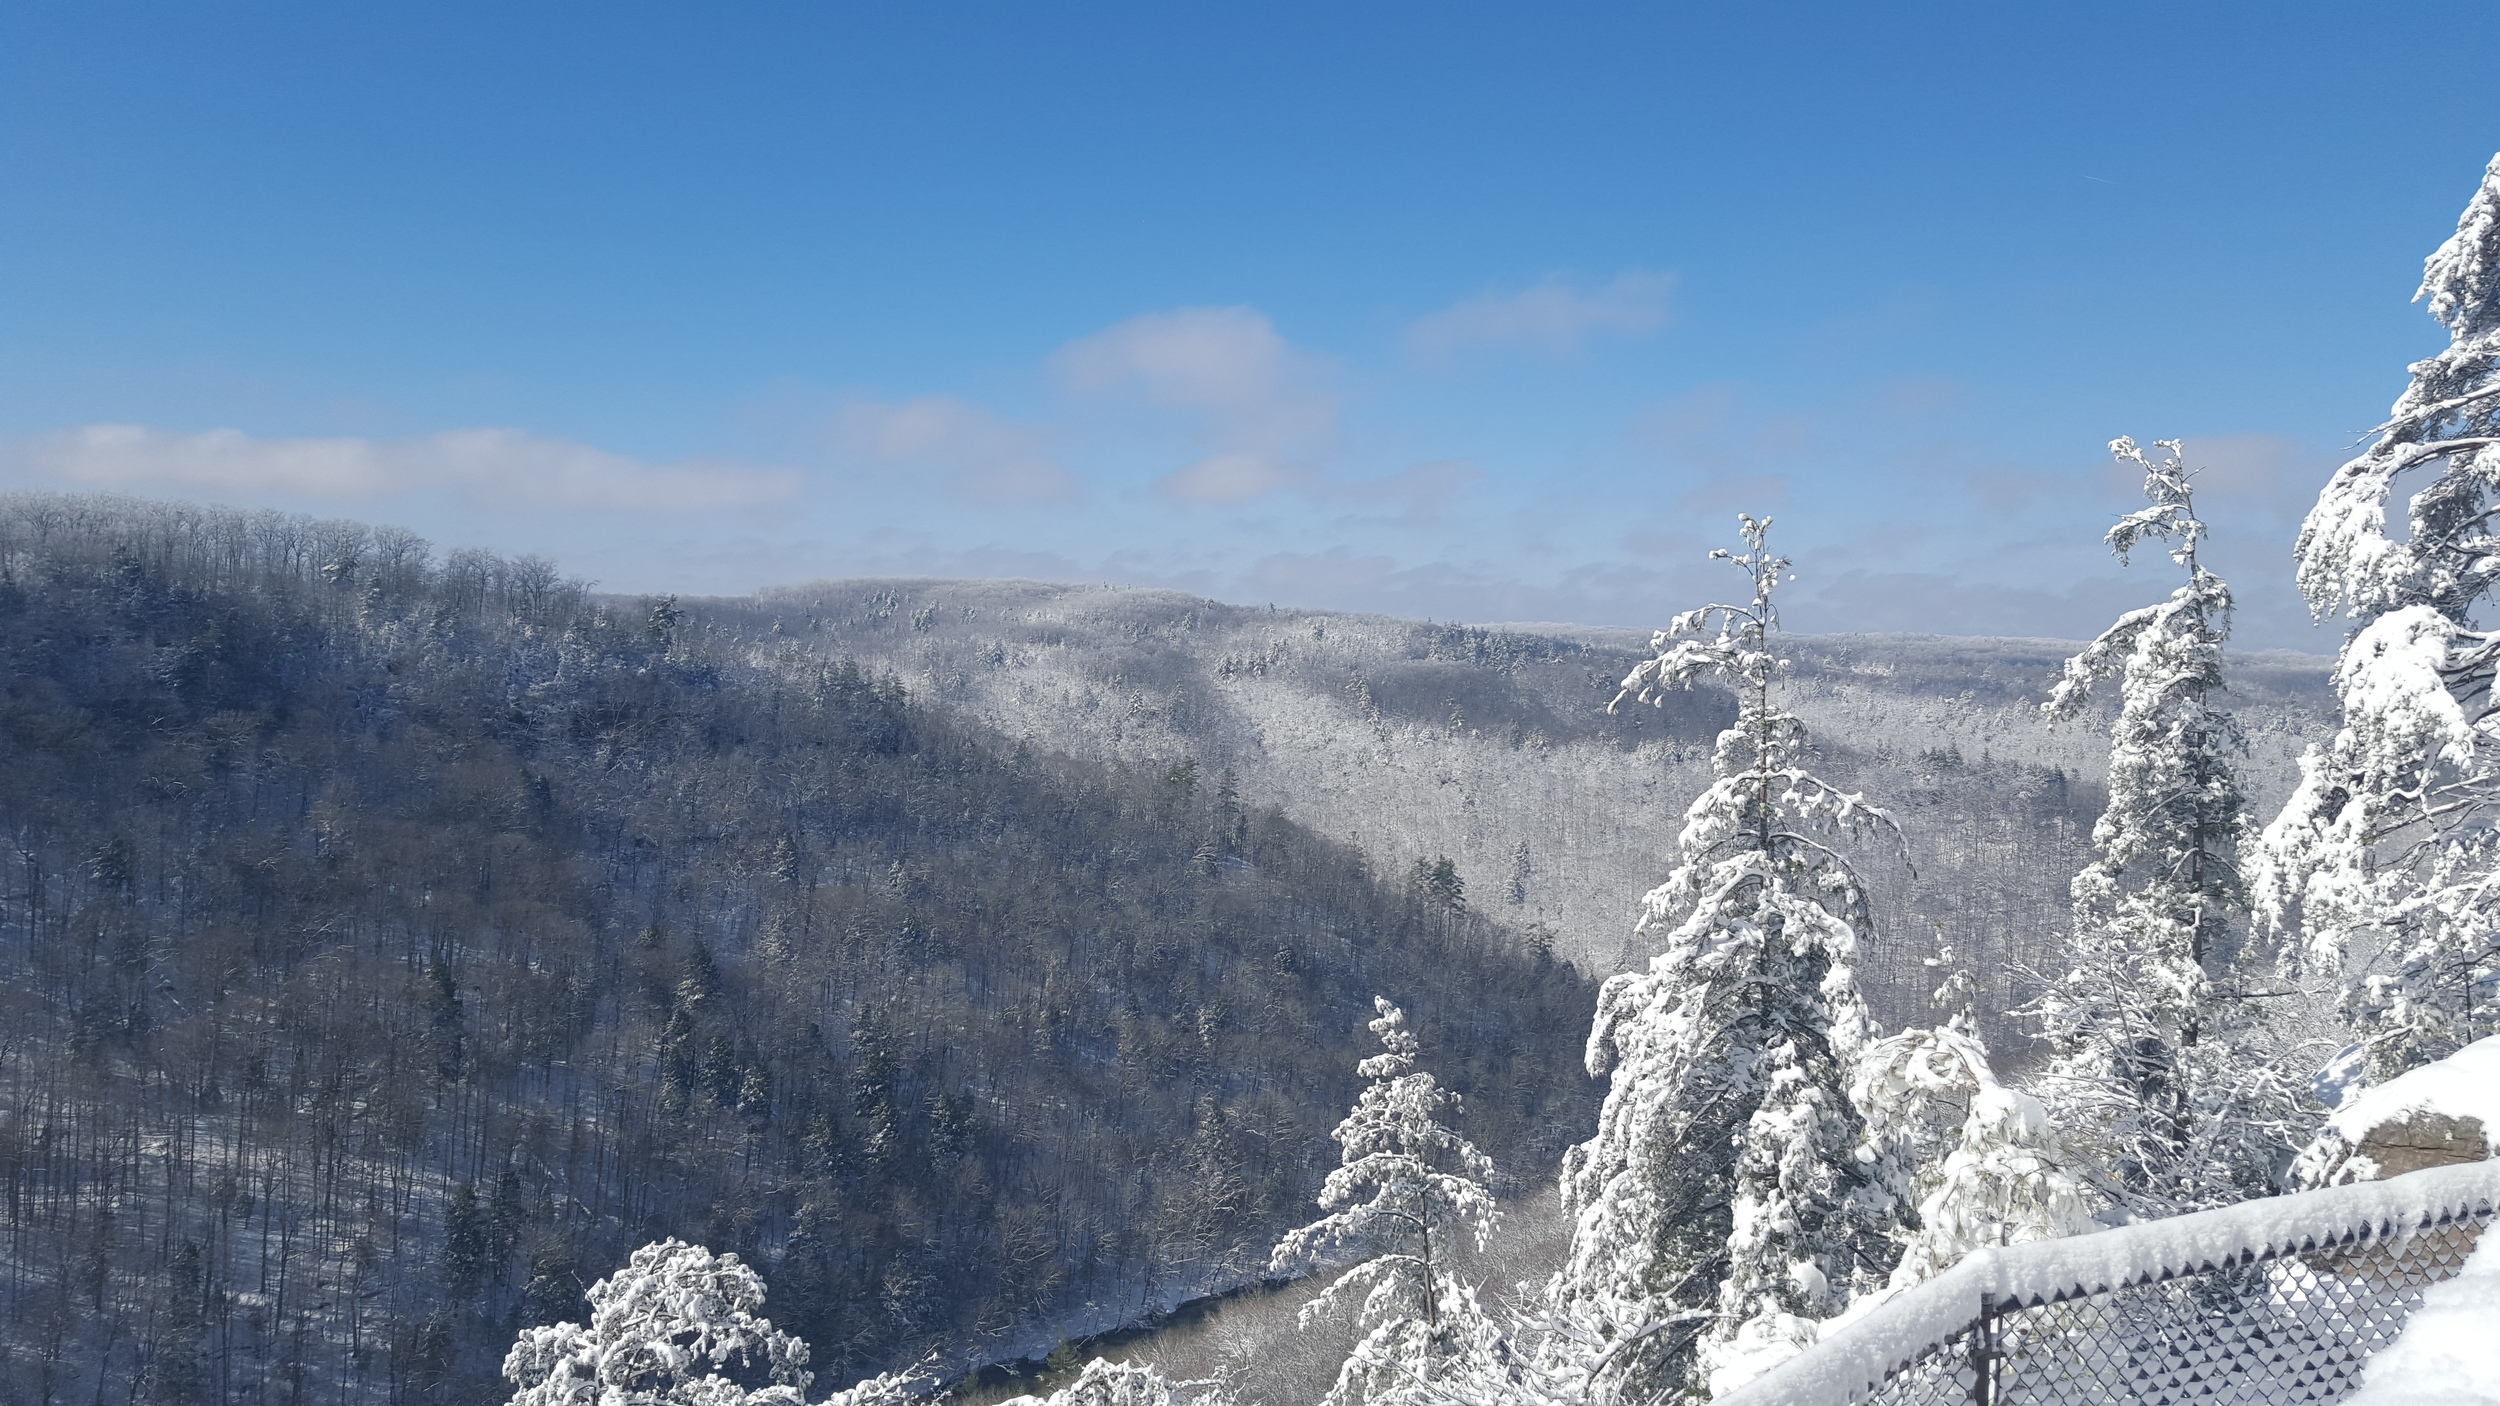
(2283, 1300)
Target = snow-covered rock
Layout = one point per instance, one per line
(2443, 1113)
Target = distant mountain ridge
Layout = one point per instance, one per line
(390, 944)
(1416, 739)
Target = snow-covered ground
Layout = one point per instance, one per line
(2449, 1354)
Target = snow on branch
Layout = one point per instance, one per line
(1408, 1192)
(2172, 1086)
(2384, 856)
(1722, 1192)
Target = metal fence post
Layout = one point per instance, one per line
(1984, 1354)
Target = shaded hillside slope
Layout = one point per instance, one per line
(389, 945)
(1414, 739)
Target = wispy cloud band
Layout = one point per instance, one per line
(500, 467)
(985, 460)
(1554, 317)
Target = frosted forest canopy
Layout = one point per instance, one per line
(409, 954)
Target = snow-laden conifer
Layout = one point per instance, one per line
(1407, 1194)
(2159, 1069)
(1976, 1160)
(1722, 1188)
(1106, 1383)
(2385, 854)
(1913, 1092)
(661, 1330)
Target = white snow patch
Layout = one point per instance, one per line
(2342, 1078)
(2448, 1354)
(2464, 1085)
(1761, 1344)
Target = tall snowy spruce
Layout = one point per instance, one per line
(2158, 1071)
(1408, 1193)
(2386, 856)
(1720, 1207)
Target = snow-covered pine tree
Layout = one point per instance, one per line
(2157, 1069)
(664, 1330)
(2386, 853)
(660, 1330)
(1106, 1383)
(1978, 1160)
(1408, 1191)
(1722, 1196)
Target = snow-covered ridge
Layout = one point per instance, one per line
(1856, 1358)
(1493, 747)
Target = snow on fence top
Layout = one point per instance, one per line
(1858, 1356)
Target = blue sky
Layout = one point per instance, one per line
(1477, 312)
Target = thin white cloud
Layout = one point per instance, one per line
(1420, 492)
(1553, 317)
(1948, 603)
(218, 461)
(2267, 479)
(1338, 573)
(501, 467)
(1593, 593)
(1232, 477)
(1264, 417)
(1219, 359)
(986, 460)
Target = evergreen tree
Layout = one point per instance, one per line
(1437, 883)
(468, 1243)
(2386, 854)
(1722, 1195)
(1106, 1383)
(1978, 1161)
(661, 1330)
(2159, 1068)
(1408, 1192)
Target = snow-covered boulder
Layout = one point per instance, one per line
(2440, 1114)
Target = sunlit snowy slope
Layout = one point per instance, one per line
(1493, 746)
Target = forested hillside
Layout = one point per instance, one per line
(391, 944)
(1494, 746)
